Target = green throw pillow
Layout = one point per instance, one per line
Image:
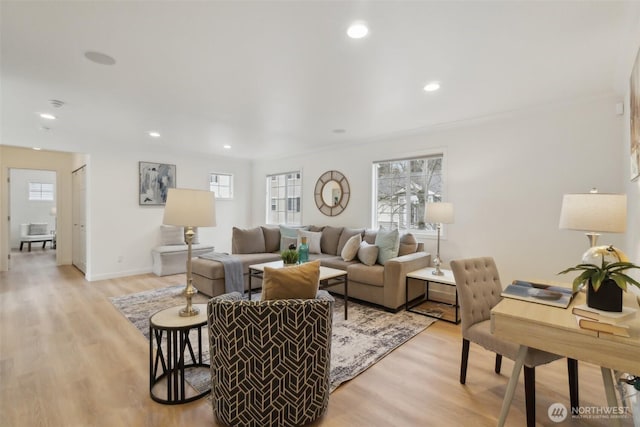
(388, 243)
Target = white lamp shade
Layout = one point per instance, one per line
(594, 212)
(190, 208)
(439, 212)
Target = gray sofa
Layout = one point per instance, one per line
(382, 285)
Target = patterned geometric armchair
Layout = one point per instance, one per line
(269, 359)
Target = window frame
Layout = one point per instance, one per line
(291, 202)
(429, 230)
(230, 186)
(41, 192)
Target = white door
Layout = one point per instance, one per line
(79, 233)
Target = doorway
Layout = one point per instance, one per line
(32, 214)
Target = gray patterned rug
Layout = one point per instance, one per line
(357, 343)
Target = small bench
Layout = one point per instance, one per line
(170, 257)
(25, 237)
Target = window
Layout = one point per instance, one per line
(222, 185)
(284, 198)
(402, 187)
(40, 191)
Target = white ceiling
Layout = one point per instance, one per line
(271, 77)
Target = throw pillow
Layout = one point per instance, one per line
(367, 254)
(38, 228)
(301, 281)
(408, 244)
(347, 233)
(330, 239)
(171, 235)
(249, 241)
(388, 242)
(290, 233)
(370, 236)
(350, 250)
(271, 238)
(313, 240)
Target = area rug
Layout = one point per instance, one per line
(357, 343)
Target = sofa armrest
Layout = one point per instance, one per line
(395, 273)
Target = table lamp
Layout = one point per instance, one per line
(189, 209)
(594, 213)
(438, 213)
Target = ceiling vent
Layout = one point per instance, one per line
(56, 103)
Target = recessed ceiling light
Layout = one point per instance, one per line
(226, 147)
(99, 58)
(37, 148)
(433, 86)
(357, 30)
(47, 116)
(154, 134)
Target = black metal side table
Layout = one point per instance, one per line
(167, 366)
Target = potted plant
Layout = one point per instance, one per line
(603, 270)
(289, 257)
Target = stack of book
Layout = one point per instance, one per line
(604, 321)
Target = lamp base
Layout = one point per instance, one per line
(437, 272)
(189, 311)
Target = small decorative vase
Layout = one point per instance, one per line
(608, 297)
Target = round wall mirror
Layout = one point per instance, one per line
(332, 193)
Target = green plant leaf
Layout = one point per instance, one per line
(620, 281)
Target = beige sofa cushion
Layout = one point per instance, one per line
(250, 241)
(370, 236)
(371, 275)
(291, 282)
(367, 254)
(350, 250)
(271, 238)
(313, 240)
(330, 239)
(408, 244)
(347, 233)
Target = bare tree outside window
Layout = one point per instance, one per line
(402, 189)
(284, 198)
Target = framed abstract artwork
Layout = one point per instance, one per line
(634, 101)
(154, 183)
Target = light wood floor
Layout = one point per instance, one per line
(68, 358)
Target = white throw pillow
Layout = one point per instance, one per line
(171, 235)
(313, 240)
(367, 254)
(350, 250)
(37, 229)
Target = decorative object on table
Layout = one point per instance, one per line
(189, 209)
(634, 102)
(594, 213)
(602, 269)
(438, 213)
(540, 293)
(155, 180)
(332, 193)
(303, 251)
(289, 256)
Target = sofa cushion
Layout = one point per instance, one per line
(333, 261)
(350, 250)
(388, 243)
(346, 234)
(370, 236)
(271, 238)
(367, 254)
(300, 281)
(289, 235)
(36, 229)
(249, 241)
(171, 235)
(371, 275)
(215, 270)
(330, 238)
(313, 240)
(408, 244)
(316, 228)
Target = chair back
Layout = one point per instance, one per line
(270, 359)
(479, 289)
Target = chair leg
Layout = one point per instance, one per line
(572, 370)
(464, 360)
(498, 363)
(530, 395)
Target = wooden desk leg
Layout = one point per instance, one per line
(511, 387)
(610, 391)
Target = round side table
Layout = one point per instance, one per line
(168, 364)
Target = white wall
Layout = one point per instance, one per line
(506, 177)
(121, 233)
(25, 211)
